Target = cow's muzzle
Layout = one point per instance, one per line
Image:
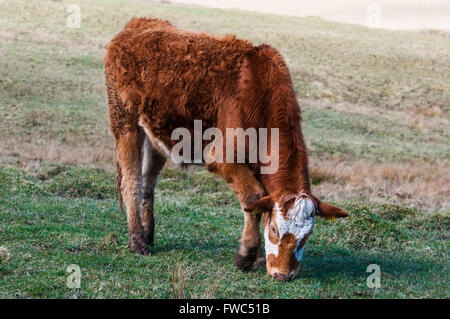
(283, 277)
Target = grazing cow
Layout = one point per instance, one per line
(160, 78)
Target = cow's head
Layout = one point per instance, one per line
(288, 223)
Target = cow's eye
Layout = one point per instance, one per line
(273, 229)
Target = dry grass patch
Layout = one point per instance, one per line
(420, 186)
(440, 33)
(31, 156)
(429, 111)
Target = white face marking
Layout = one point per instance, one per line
(299, 223)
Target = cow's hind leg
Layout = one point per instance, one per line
(152, 164)
(248, 189)
(128, 147)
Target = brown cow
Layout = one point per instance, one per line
(160, 78)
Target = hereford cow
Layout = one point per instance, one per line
(160, 78)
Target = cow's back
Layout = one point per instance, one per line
(167, 70)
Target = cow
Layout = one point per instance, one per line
(159, 78)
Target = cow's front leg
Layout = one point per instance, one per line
(249, 252)
(128, 147)
(248, 189)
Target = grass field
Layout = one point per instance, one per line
(376, 108)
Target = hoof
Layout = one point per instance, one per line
(260, 262)
(149, 239)
(138, 245)
(245, 263)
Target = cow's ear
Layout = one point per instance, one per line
(329, 211)
(262, 205)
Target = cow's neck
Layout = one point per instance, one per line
(292, 176)
(266, 82)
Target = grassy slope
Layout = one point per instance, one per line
(53, 78)
(367, 95)
(72, 218)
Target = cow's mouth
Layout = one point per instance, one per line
(283, 276)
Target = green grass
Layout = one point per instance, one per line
(50, 224)
(368, 96)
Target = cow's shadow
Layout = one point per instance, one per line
(334, 261)
(318, 262)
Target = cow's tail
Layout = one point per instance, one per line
(118, 184)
